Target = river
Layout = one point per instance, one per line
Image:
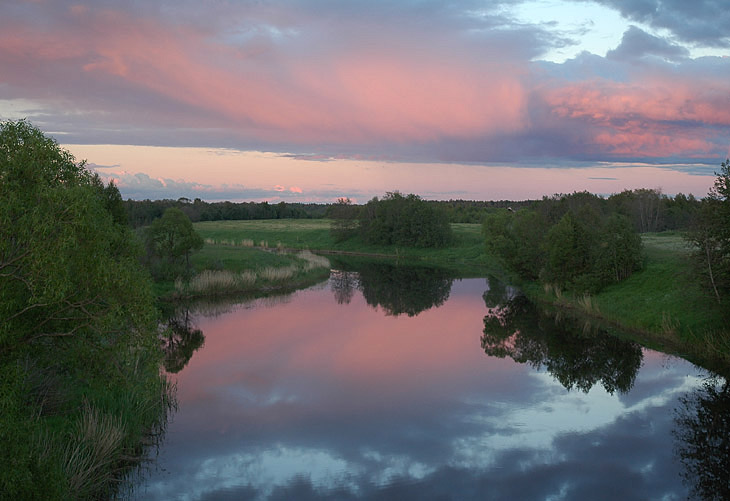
(402, 383)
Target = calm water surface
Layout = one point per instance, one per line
(433, 389)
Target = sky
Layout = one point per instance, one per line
(314, 100)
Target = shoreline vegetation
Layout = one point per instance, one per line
(82, 396)
(660, 306)
(292, 271)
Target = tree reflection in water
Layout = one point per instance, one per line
(574, 353)
(180, 339)
(703, 440)
(396, 289)
(344, 284)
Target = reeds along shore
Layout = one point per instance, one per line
(211, 282)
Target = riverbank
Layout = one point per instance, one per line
(661, 306)
(225, 270)
(263, 256)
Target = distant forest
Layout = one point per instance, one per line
(649, 210)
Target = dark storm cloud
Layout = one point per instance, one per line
(636, 44)
(702, 22)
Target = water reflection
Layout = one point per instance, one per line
(344, 284)
(315, 398)
(396, 289)
(577, 355)
(703, 439)
(180, 339)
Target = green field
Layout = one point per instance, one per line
(466, 254)
(665, 296)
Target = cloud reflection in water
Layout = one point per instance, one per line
(312, 399)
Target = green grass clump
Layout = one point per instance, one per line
(90, 455)
(67, 434)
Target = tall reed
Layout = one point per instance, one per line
(217, 281)
(277, 274)
(91, 457)
(587, 304)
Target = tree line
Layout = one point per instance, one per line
(649, 209)
(143, 212)
(573, 241)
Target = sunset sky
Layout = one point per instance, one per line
(314, 100)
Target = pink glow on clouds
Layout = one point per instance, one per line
(652, 100)
(647, 118)
(359, 89)
(349, 98)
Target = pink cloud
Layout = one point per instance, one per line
(295, 189)
(447, 95)
(345, 97)
(649, 117)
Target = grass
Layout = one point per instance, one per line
(70, 433)
(466, 254)
(664, 296)
(90, 456)
(226, 269)
(663, 304)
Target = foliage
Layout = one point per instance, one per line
(568, 241)
(344, 219)
(75, 306)
(619, 250)
(664, 289)
(170, 240)
(404, 221)
(703, 427)
(711, 236)
(143, 212)
(577, 357)
(517, 238)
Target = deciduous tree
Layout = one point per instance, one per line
(170, 240)
(711, 235)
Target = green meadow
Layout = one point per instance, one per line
(466, 255)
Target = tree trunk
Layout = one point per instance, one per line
(709, 268)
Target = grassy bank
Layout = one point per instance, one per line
(224, 270)
(663, 304)
(466, 255)
(69, 432)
